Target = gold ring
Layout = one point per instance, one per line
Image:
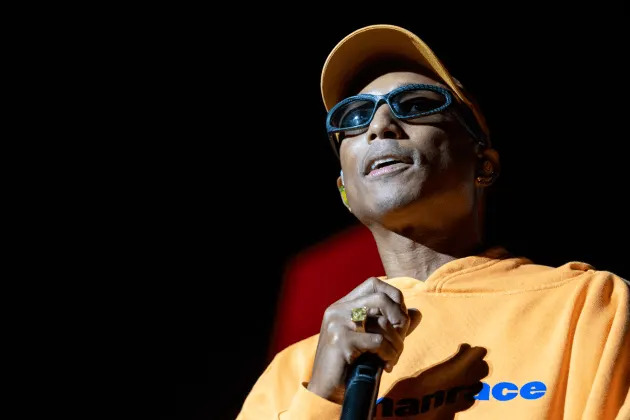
(359, 315)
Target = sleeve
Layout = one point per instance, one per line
(281, 393)
(603, 349)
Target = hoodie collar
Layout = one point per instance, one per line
(475, 273)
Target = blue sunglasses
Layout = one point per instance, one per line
(354, 114)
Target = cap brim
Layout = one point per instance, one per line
(371, 43)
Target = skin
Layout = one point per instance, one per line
(425, 214)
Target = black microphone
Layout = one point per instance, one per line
(362, 382)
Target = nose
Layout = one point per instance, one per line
(384, 125)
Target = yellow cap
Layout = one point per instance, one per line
(370, 43)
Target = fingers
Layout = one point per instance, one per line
(374, 343)
(392, 335)
(414, 319)
(340, 344)
(388, 323)
(374, 285)
(382, 304)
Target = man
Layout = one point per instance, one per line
(463, 330)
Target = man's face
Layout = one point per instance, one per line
(430, 179)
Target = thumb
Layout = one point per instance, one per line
(414, 319)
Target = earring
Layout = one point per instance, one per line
(344, 197)
(342, 191)
(488, 175)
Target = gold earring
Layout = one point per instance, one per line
(344, 197)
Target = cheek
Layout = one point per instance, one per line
(350, 152)
(444, 153)
(351, 147)
(430, 143)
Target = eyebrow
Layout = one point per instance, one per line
(394, 88)
(399, 86)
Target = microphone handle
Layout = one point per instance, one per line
(363, 380)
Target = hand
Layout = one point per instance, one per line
(389, 322)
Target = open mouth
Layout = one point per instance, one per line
(387, 165)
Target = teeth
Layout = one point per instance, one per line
(378, 162)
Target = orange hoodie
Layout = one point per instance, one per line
(545, 343)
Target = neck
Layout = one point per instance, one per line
(418, 253)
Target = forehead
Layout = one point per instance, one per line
(389, 81)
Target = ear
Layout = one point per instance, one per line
(488, 167)
(342, 192)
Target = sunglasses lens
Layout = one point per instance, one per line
(417, 102)
(352, 114)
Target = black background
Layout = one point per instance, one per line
(247, 178)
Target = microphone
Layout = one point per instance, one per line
(362, 382)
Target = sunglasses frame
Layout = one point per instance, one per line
(380, 99)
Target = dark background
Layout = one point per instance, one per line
(247, 177)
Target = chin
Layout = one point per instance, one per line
(394, 202)
(438, 210)
(398, 194)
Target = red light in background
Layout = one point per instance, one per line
(317, 278)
